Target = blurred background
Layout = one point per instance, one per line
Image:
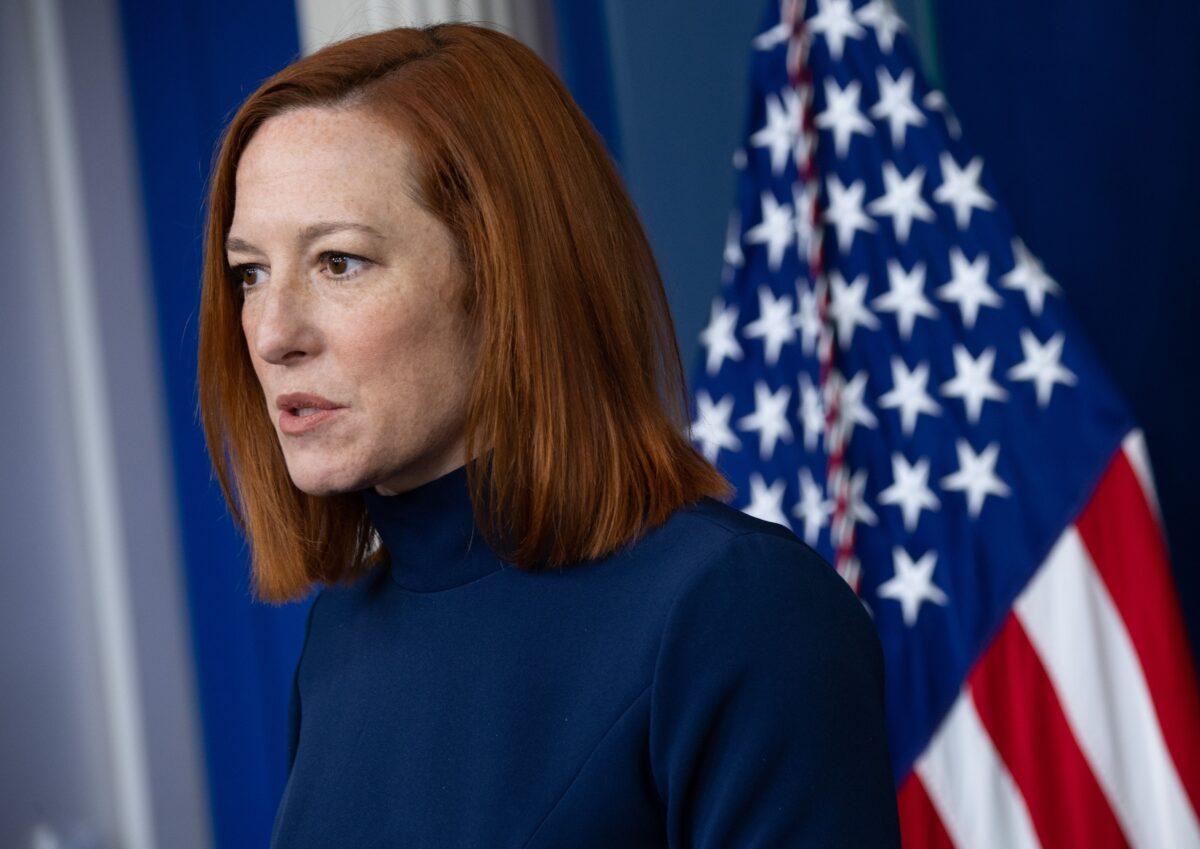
(142, 694)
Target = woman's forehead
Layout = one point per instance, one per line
(306, 179)
(326, 150)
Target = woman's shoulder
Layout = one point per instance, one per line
(734, 545)
(746, 570)
(769, 672)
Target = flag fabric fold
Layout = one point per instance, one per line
(889, 371)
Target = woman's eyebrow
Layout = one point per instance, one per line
(308, 234)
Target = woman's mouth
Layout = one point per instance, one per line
(301, 420)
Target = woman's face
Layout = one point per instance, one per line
(352, 293)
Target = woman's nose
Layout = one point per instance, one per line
(283, 323)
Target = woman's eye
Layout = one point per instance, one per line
(342, 265)
(238, 274)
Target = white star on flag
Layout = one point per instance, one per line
(766, 502)
(912, 584)
(777, 34)
(733, 245)
(719, 337)
(1030, 277)
(845, 211)
(776, 134)
(910, 490)
(896, 105)
(769, 418)
(733, 240)
(775, 229)
(794, 106)
(851, 409)
(1042, 365)
(857, 509)
(812, 412)
(807, 319)
(842, 116)
(834, 21)
(909, 395)
(960, 188)
(773, 325)
(846, 306)
(972, 381)
(711, 427)
(813, 508)
(905, 296)
(936, 101)
(804, 214)
(901, 199)
(976, 475)
(968, 286)
(880, 15)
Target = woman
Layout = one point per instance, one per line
(429, 311)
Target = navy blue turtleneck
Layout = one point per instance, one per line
(716, 684)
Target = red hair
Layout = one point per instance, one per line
(579, 393)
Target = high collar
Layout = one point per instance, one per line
(430, 534)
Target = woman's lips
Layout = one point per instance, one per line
(294, 425)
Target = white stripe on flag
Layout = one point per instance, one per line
(970, 787)
(1083, 644)
(1134, 446)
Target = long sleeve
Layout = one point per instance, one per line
(766, 716)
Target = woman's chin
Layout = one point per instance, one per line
(322, 478)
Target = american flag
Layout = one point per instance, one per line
(889, 371)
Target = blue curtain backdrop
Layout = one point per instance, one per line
(1086, 114)
(190, 64)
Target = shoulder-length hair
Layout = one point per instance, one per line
(579, 395)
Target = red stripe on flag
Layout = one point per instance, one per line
(1018, 706)
(920, 825)
(1123, 539)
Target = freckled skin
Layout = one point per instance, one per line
(387, 338)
